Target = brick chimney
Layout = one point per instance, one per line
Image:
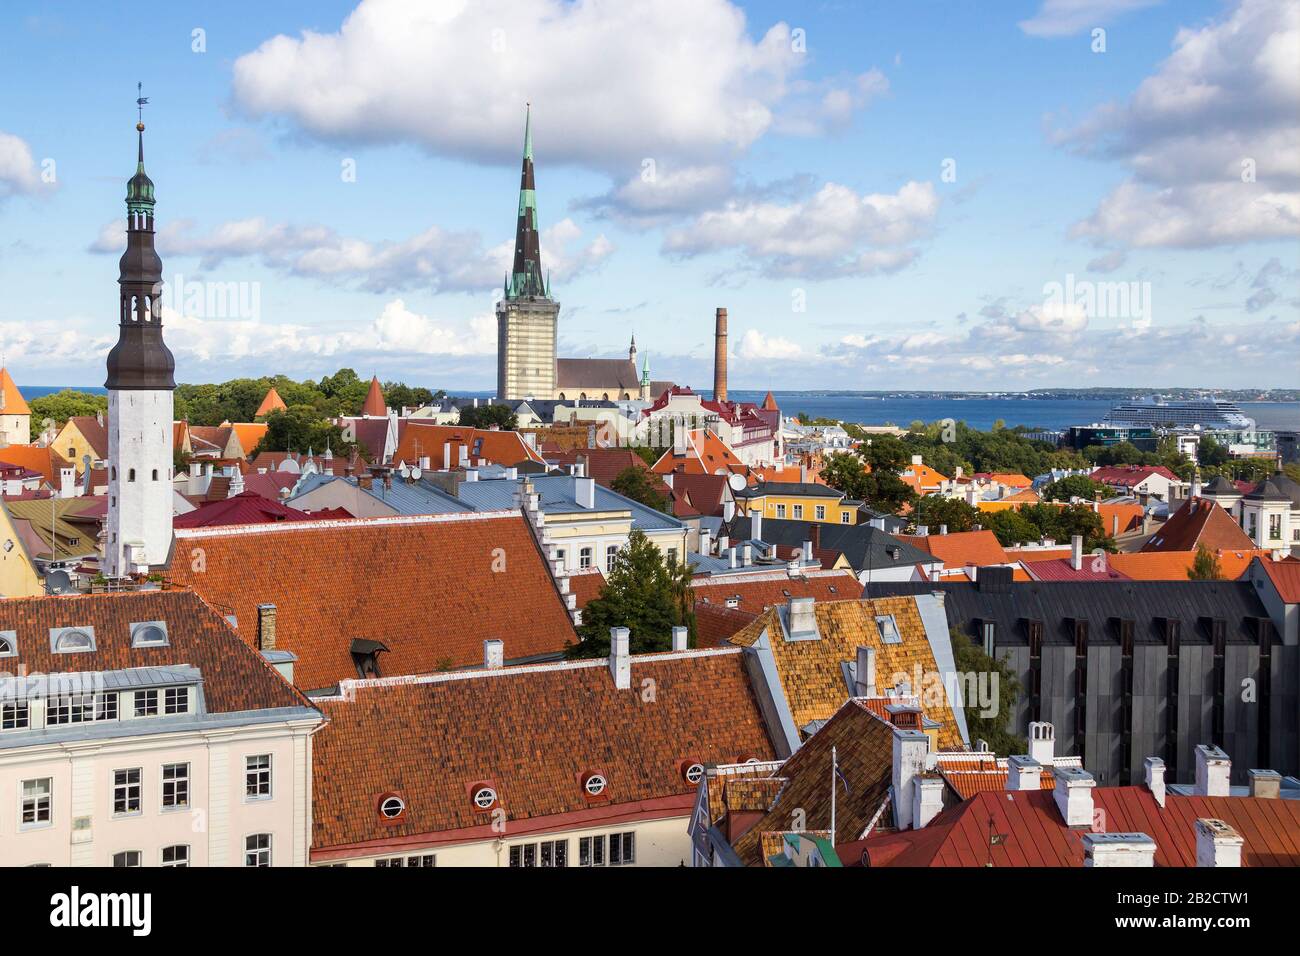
(720, 357)
(266, 627)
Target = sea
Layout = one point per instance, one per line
(978, 413)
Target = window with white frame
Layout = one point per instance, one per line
(176, 700)
(622, 849)
(178, 855)
(611, 552)
(127, 858)
(780, 511)
(584, 558)
(15, 715)
(257, 776)
(175, 785)
(36, 802)
(547, 853)
(672, 556)
(424, 860)
(8, 643)
(821, 512)
(616, 849)
(80, 709)
(798, 511)
(126, 792)
(844, 517)
(257, 850)
(146, 703)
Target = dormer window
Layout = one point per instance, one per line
(72, 640)
(888, 629)
(392, 807)
(693, 773)
(149, 634)
(485, 798)
(8, 643)
(594, 785)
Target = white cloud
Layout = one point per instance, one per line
(1108, 262)
(1058, 18)
(1212, 138)
(755, 345)
(436, 259)
(19, 173)
(453, 77)
(834, 233)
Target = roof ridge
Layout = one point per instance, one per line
(280, 527)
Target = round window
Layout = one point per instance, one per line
(594, 785)
(392, 807)
(694, 772)
(484, 797)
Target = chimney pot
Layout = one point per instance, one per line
(1024, 773)
(1217, 844)
(1213, 769)
(620, 660)
(1042, 742)
(1073, 794)
(266, 627)
(802, 618)
(1265, 784)
(493, 654)
(681, 637)
(927, 800)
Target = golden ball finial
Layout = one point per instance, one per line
(140, 127)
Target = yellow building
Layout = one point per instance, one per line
(15, 416)
(798, 501)
(83, 435)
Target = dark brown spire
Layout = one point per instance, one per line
(526, 277)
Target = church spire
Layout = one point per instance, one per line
(526, 277)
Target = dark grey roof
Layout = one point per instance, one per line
(1268, 490)
(865, 547)
(616, 374)
(805, 489)
(1103, 604)
(1221, 486)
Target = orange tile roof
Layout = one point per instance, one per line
(586, 585)
(968, 782)
(762, 589)
(45, 460)
(11, 400)
(810, 670)
(271, 403)
(1199, 521)
(374, 405)
(1174, 565)
(960, 548)
(533, 733)
(249, 434)
(503, 448)
(333, 581)
(705, 454)
(921, 478)
(1285, 576)
(1030, 555)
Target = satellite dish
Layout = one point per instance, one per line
(404, 471)
(737, 482)
(416, 473)
(58, 582)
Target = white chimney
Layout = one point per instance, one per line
(1155, 778)
(923, 530)
(749, 555)
(731, 556)
(728, 510)
(723, 542)
(1073, 795)
(927, 800)
(756, 525)
(1042, 742)
(584, 490)
(807, 552)
(446, 456)
(802, 617)
(425, 463)
(1119, 849)
(1265, 784)
(704, 541)
(916, 459)
(494, 654)
(910, 749)
(943, 529)
(1217, 844)
(864, 678)
(67, 482)
(1024, 773)
(463, 458)
(668, 479)
(1076, 552)
(620, 661)
(1213, 768)
(471, 474)
(680, 638)
(512, 473)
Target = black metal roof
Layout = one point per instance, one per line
(865, 547)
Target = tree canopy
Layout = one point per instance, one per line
(487, 416)
(59, 406)
(640, 484)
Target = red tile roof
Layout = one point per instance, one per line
(1199, 521)
(699, 495)
(11, 400)
(503, 448)
(95, 433)
(956, 550)
(1285, 576)
(1060, 569)
(46, 461)
(246, 508)
(534, 733)
(1130, 475)
(1035, 836)
(422, 585)
(586, 584)
(716, 623)
(271, 403)
(235, 678)
(754, 592)
(1174, 565)
(374, 405)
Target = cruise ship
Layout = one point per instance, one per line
(1207, 413)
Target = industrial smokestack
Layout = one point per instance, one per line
(720, 357)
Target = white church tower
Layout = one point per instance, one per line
(138, 533)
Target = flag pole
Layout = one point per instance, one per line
(833, 775)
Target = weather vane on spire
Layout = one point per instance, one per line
(140, 103)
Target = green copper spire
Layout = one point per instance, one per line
(139, 188)
(526, 279)
(645, 370)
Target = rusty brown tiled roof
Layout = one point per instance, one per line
(533, 733)
(1199, 521)
(431, 588)
(235, 677)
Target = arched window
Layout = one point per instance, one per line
(130, 475)
(155, 474)
(112, 473)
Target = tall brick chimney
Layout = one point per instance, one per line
(720, 358)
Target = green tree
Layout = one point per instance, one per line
(642, 592)
(844, 471)
(969, 659)
(486, 416)
(1074, 486)
(300, 428)
(1011, 527)
(934, 511)
(1205, 566)
(641, 484)
(59, 406)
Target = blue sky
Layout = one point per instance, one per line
(881, 193)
